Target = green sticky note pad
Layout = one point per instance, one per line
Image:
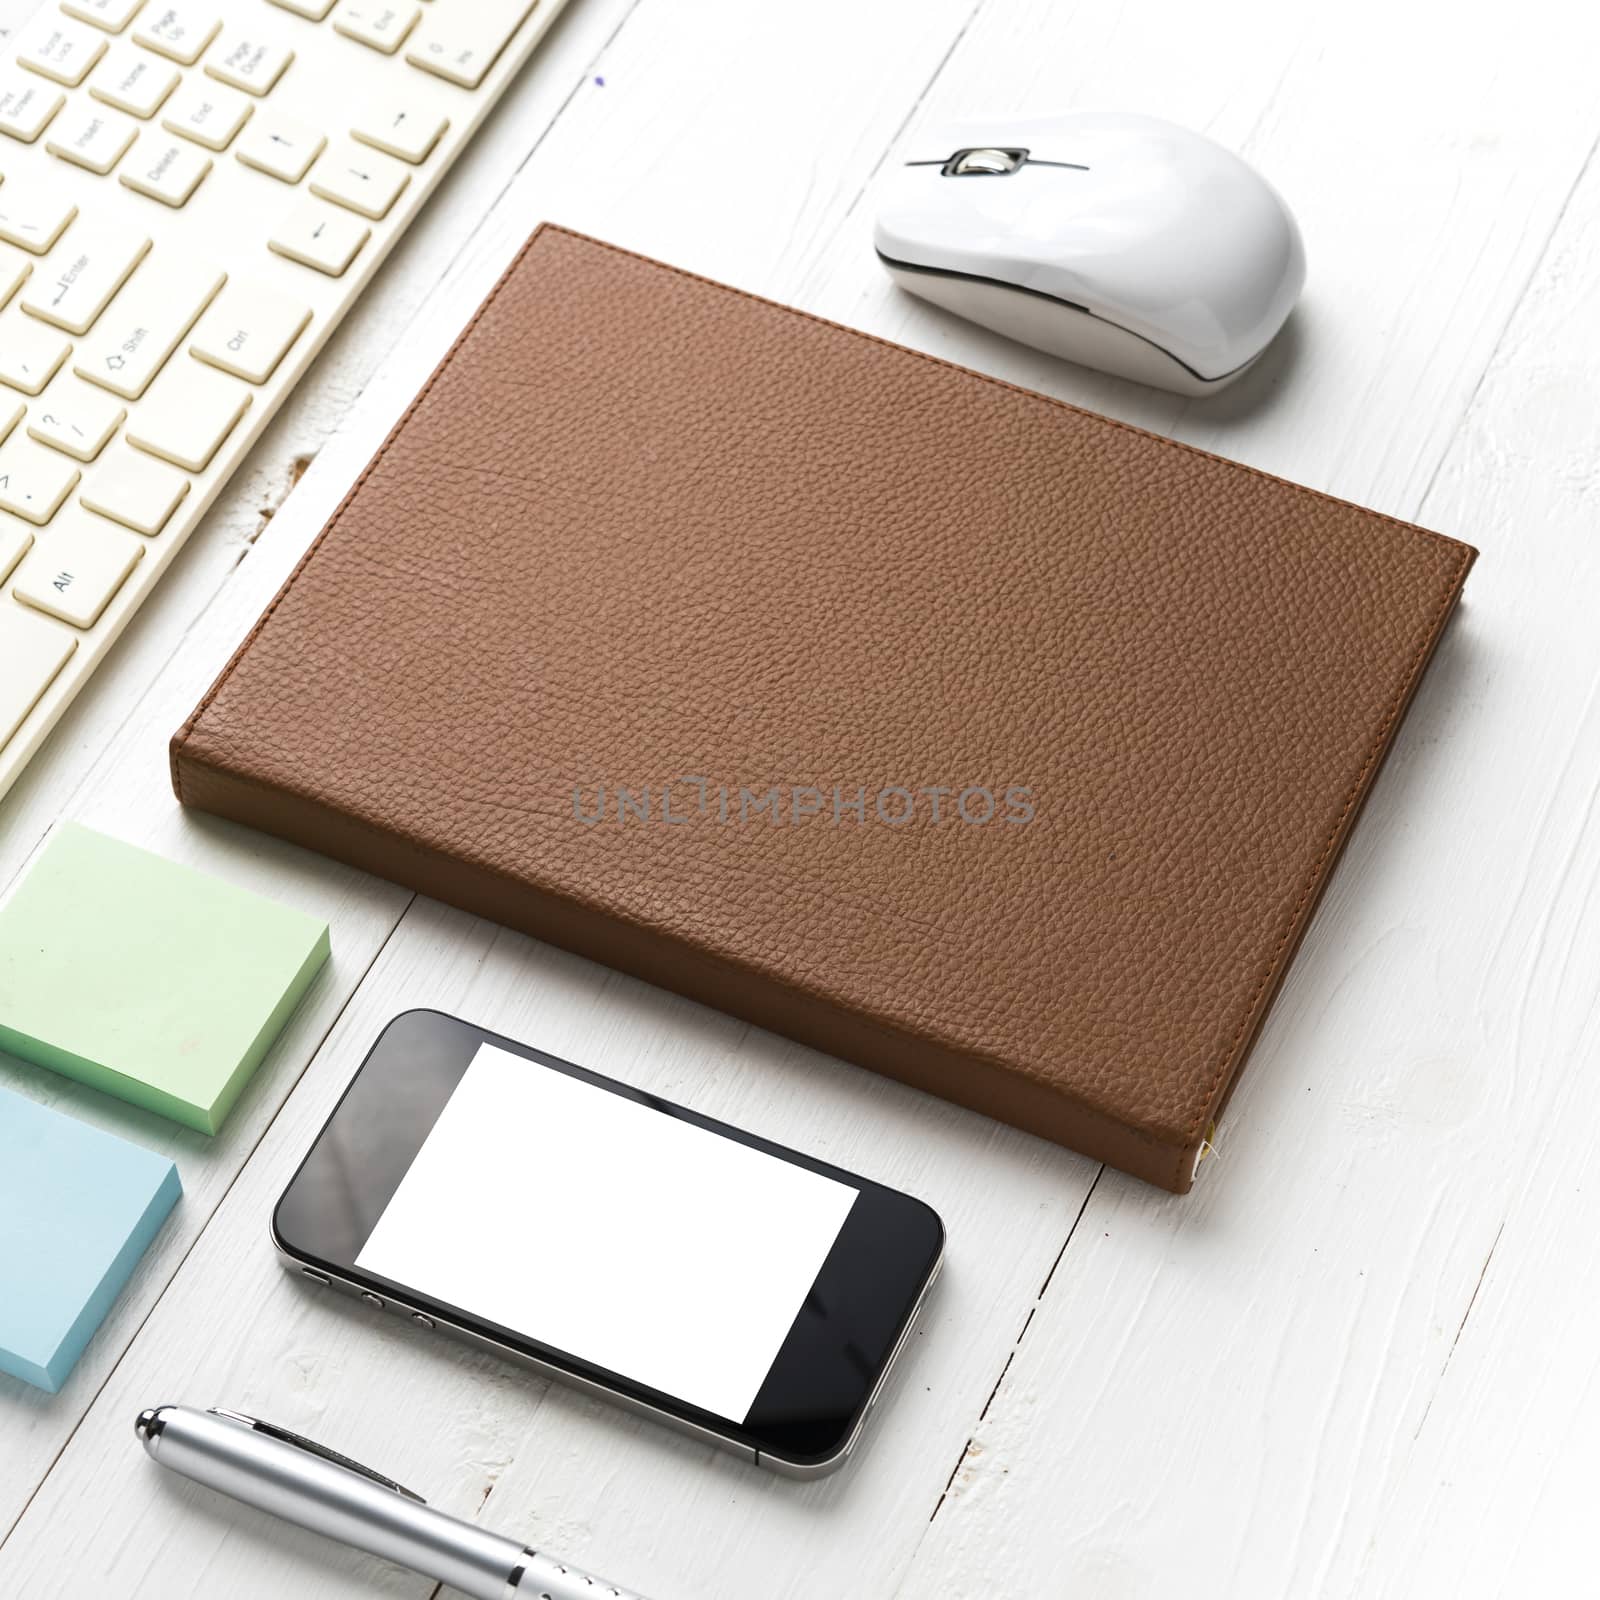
(148, 980)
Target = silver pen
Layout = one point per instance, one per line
(289, 1477)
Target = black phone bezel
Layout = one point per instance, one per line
(847, 1331)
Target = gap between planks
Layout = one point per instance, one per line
(1022, 1333)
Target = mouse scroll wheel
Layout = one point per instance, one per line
(986, 162)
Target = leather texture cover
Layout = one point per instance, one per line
(645, 537)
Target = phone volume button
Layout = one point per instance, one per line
(373, 1301)
(315, 1277)
(417, 1317)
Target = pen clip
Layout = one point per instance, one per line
(311, 1447)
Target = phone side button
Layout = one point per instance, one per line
(315, 1277)
(373, 1301)
(422, 1321)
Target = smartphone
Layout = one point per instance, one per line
(739, 1291)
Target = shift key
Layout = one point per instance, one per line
(146, 323)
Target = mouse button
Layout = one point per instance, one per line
(989, 161)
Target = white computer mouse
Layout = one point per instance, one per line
(1119, 241)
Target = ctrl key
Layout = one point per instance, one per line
(32, 651)
(76, 566)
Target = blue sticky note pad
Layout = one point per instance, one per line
(77, 1209)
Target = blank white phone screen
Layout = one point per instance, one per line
(625, 1237)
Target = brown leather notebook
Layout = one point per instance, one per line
(980, 740)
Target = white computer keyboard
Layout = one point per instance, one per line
(191, 195)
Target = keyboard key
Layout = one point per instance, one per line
(358, 178)
(319, 236)
(71, 288)
(11, 413)
(30, 353)
(16, 539)
(91, 136)
(369, 22)
(316, 10)
(60, 50)
(76, 419)
(249, 331)
(188, 412)
(26, 104)
(134, 81)
(75, 569)
(164, 167)
(33, 217)
(14, 270)
(180, 32)
(250, 63)
(402, 127)
(135, 490)
(32, 651)
(147, 321)
(207, 114)
(33, 481)
(112, 15)
(461, 44)
(280, 147)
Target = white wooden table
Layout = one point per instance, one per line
(1363, 1357)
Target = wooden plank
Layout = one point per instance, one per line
(1223, 1391)
(1492, 1490)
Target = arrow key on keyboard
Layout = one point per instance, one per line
(403, 128)
(33, 481)
(319, 236)
(280, 147)
(359, 179)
